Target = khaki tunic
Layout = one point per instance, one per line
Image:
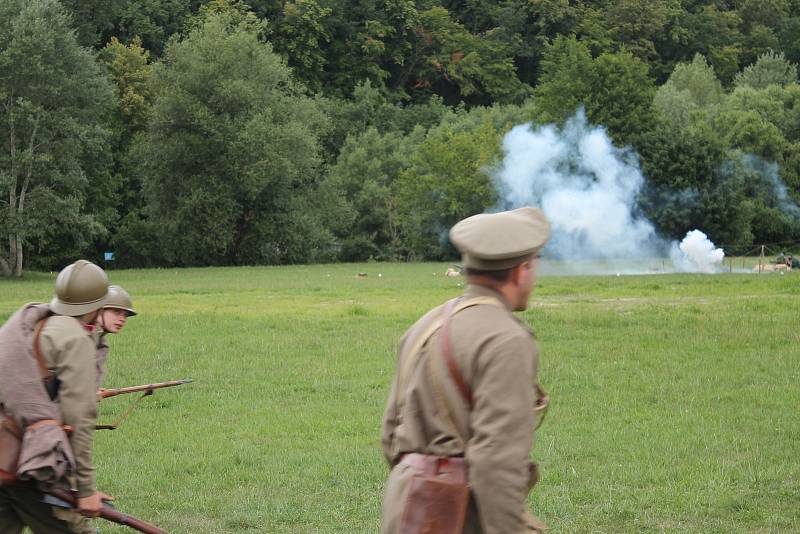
(100, 359)
(497, 357)
(69, 351)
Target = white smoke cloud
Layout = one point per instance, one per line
(696, 253)
(588, 189)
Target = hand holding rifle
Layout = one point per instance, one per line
(67, 500)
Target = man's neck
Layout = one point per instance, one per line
(503, 289)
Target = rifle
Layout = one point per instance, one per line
(146, 388)
(65, 499)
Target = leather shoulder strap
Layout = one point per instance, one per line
(447, 353)
(44, 373)
(455, 305)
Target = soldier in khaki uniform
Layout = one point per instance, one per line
(111, 320)
(68, 344)
(427, 414)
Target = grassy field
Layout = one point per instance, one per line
(674, 397)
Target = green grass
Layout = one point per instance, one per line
(674, 397)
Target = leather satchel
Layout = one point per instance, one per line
(439, 492)
(437, 498)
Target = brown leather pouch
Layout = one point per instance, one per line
(435, 506)
(10, 444)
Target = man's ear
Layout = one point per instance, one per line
(516, 273)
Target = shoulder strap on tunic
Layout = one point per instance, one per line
(453, 307)
(44, 372)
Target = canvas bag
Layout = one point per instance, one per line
(10, 443)
(10, 432)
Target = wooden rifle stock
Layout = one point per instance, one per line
(110, 514)
(106, 393)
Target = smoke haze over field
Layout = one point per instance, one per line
(588, 188)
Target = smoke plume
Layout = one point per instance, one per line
(696, 253)
(588, 189)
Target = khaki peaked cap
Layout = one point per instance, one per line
(496, 241)
(80, 288)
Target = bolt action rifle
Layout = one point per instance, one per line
(147, 390)
(65, 499)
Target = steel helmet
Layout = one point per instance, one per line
(80, 288)
(119, 299)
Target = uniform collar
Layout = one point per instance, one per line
(92, 330)
(477, 290)
(88, 327)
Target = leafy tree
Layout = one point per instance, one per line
(614, 88)
(790, 123)
(764, 13)
(769, 69)
(772, 221)
(790, 174)
(476, 17)
(231, 156)
(636, 24)
(708, 30)
(130, 70)
(698, 81)
(758, 42)
(448, 177)
(152, 21)
(366, 175)
(691, 93)
(592, 29)
(690, 186)
(528, 26)
(769, 104)
(461, 66)
(622, 96)
(370, 108)
(235, 13)
(302, 36)
(92, 19)
(132, 74)
(789, 39)
(567, 79)
(55, 99)
(369, 40)
(750, 132)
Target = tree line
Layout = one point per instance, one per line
(223, 132)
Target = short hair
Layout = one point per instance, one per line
(501, 275)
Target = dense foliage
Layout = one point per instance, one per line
(212, 132)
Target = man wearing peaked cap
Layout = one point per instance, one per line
(466, 394)
(498, 241)
(48, 379)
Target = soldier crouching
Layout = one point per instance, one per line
(48, 382)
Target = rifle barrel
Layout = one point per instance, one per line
(144, 387)
(110, 514)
